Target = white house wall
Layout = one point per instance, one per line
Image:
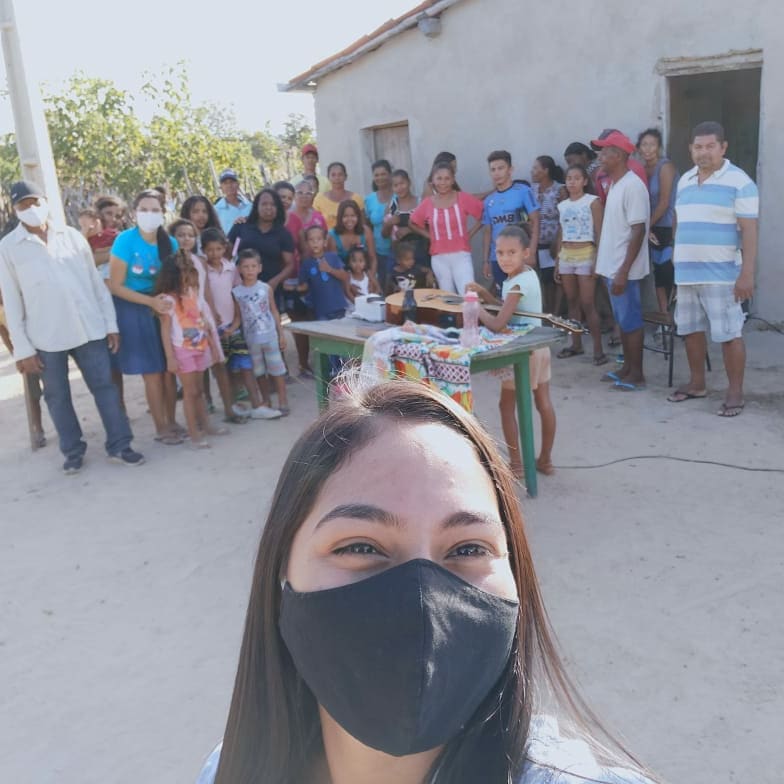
(532, 77)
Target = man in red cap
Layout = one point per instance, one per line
(622, 258)
(601, 179)
(310, 158)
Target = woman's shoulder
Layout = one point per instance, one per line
(124, 239)
(207, 775)
(552, 758)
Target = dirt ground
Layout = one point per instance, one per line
(122, 592)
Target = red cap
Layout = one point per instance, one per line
(615, 139)
(310, 148)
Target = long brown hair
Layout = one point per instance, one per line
(273, 732)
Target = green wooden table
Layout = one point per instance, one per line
(346, 338)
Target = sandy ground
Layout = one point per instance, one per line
(122, 592)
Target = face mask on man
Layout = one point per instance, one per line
(35, 215)
(403, 659)
(149, 221)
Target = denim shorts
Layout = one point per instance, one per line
(627, 307)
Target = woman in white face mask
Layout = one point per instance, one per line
(135, 262)
(399, 636)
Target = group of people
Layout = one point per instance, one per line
(205, 291)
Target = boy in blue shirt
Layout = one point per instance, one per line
(511, 203)
(323, 277)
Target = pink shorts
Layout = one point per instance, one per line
(193, 361)
(539, 369)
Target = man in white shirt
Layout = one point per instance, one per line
(56, 306)
(622, 258)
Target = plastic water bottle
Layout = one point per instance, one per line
(470, 335)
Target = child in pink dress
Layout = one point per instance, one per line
(190, 341)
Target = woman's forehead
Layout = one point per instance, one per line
(425, 470)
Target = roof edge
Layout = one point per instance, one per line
(307, 81)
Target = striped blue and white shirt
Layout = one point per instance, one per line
(707, 239)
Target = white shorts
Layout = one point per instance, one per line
(700, 306)
(453, 271)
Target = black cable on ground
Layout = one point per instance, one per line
(767, 323)
(676, 459)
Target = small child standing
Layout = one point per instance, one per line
(323, 279)
(255, 309)
(405, 266)
(575, 259)
(222, 277)
(513, 251)
(359, 282)
(190, 341)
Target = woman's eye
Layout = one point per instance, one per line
(469, 551)
(356, 548)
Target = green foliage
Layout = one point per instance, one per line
(101, 145)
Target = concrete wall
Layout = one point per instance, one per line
(513, 75)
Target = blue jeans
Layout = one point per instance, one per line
(92, 360)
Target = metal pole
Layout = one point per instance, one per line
(32, 143)
(32, 135)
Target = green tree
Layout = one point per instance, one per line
(97, 140)
(100, 144)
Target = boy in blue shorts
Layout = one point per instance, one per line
(511, 203)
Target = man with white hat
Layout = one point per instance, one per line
(233, 204)
(57, 306)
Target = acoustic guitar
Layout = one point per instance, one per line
(445, 309)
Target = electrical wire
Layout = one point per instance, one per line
(676, 459)
(767, 323)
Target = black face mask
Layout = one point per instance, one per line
(403, 659)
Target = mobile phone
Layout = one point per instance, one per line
(404, 218)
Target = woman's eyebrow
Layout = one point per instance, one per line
(460, 519)
(373, 514)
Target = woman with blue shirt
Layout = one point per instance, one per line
(376, 207)
(135, 263)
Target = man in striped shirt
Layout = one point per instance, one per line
(716, 208)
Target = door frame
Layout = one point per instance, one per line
(734, 60)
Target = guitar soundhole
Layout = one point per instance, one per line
(447, 320)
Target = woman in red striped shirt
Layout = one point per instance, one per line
(444, 215)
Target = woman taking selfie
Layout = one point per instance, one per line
(400, 638)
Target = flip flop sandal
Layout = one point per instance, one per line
(284, 410)
(218, 431)
(627, 386)
(567, 352)
(170, 439)
(682, 397)
(200, 444)
(728, 412)
(612, 376)
(600, 360)
(236, 420)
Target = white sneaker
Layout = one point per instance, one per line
(263, 412)
(239, 410)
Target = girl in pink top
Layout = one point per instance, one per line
(445, 216)
(187, 236)
(190, 341)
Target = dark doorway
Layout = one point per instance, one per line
(729, 97)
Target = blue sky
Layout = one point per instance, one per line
(236, 53)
